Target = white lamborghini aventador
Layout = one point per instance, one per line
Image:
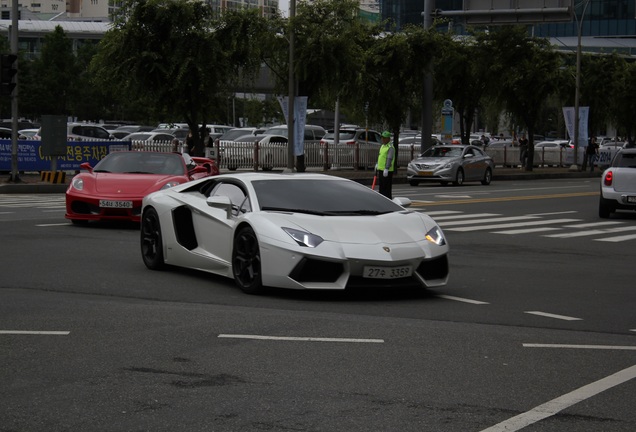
(301, 231)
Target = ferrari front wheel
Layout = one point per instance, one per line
(246, 261)
(151, 240)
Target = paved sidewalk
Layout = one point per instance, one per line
(31, 182)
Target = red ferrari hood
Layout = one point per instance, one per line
(131, 184)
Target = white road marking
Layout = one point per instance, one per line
(592, 232)
(554, 213)
(597, 347)
(464, 300)
(35, 332)
(549, 315)
(478, 221)
(55, 224)
(526, 231)
(465, 216)
(593, 224)
(557, 405)
(510, 225)
(443, 212)
(617, 238)
(307, 339)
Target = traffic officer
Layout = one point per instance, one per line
(386, 165)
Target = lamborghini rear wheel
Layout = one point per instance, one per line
(246, 261)
(151, 240)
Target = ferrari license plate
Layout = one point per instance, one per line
(115, 204)
(425, 173)
(387, 272)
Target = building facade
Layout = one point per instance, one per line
(606, 26)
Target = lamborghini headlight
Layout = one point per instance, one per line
(436, 236)
(303, 238)
(77, 183)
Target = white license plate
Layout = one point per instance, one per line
(425, 173)
(631, 199)
(115, 204)
(387, 272)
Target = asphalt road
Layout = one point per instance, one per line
(534, 332)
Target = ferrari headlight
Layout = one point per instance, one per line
(77, 183)
(303, 238)
(436, 236)
(169, 185)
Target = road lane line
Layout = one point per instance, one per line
(592, 232)
(596, 347)
(510, 225)
(52, 224)
(593, 224)
(35, 332)
(527, 230)
(557, 405)
(463, 300)
(515, 198)
(465, 216)
(480, 221)
(549, 315)
(307, 339)
(617, 238)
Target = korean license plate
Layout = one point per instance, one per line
(115, 204)
(631, 199)
(387, 272)
(425, 173)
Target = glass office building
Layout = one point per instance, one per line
(607, 26)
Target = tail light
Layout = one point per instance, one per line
(607, 180)
(350, 142)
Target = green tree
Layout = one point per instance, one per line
(466, 61)
(395, 67)
(525, 72)
(177, 56)
(52, 85)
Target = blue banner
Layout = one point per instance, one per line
(30, 157)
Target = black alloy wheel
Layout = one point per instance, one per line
(151, 240)
(246, 261)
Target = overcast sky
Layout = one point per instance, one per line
(283, 5)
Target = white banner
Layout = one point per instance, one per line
(570, 117)
(300, 118)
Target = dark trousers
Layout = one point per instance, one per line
(385, 184)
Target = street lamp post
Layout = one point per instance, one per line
(577, 89)
(427, 87)
(292, 90)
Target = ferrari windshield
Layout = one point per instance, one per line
(322, 197)
(445, 152)
(142, 163)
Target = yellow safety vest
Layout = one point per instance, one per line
(384, 151)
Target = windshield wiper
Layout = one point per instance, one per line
(293, 210)
(101, 170)
(361, 212)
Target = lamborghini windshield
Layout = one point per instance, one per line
(322, 197)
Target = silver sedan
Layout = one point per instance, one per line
(451, 164)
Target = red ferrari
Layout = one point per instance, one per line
(114, 188)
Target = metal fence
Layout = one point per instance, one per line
(231, 155)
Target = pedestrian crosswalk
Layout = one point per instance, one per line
(562, 225)
(38, 201)
(545, 225)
